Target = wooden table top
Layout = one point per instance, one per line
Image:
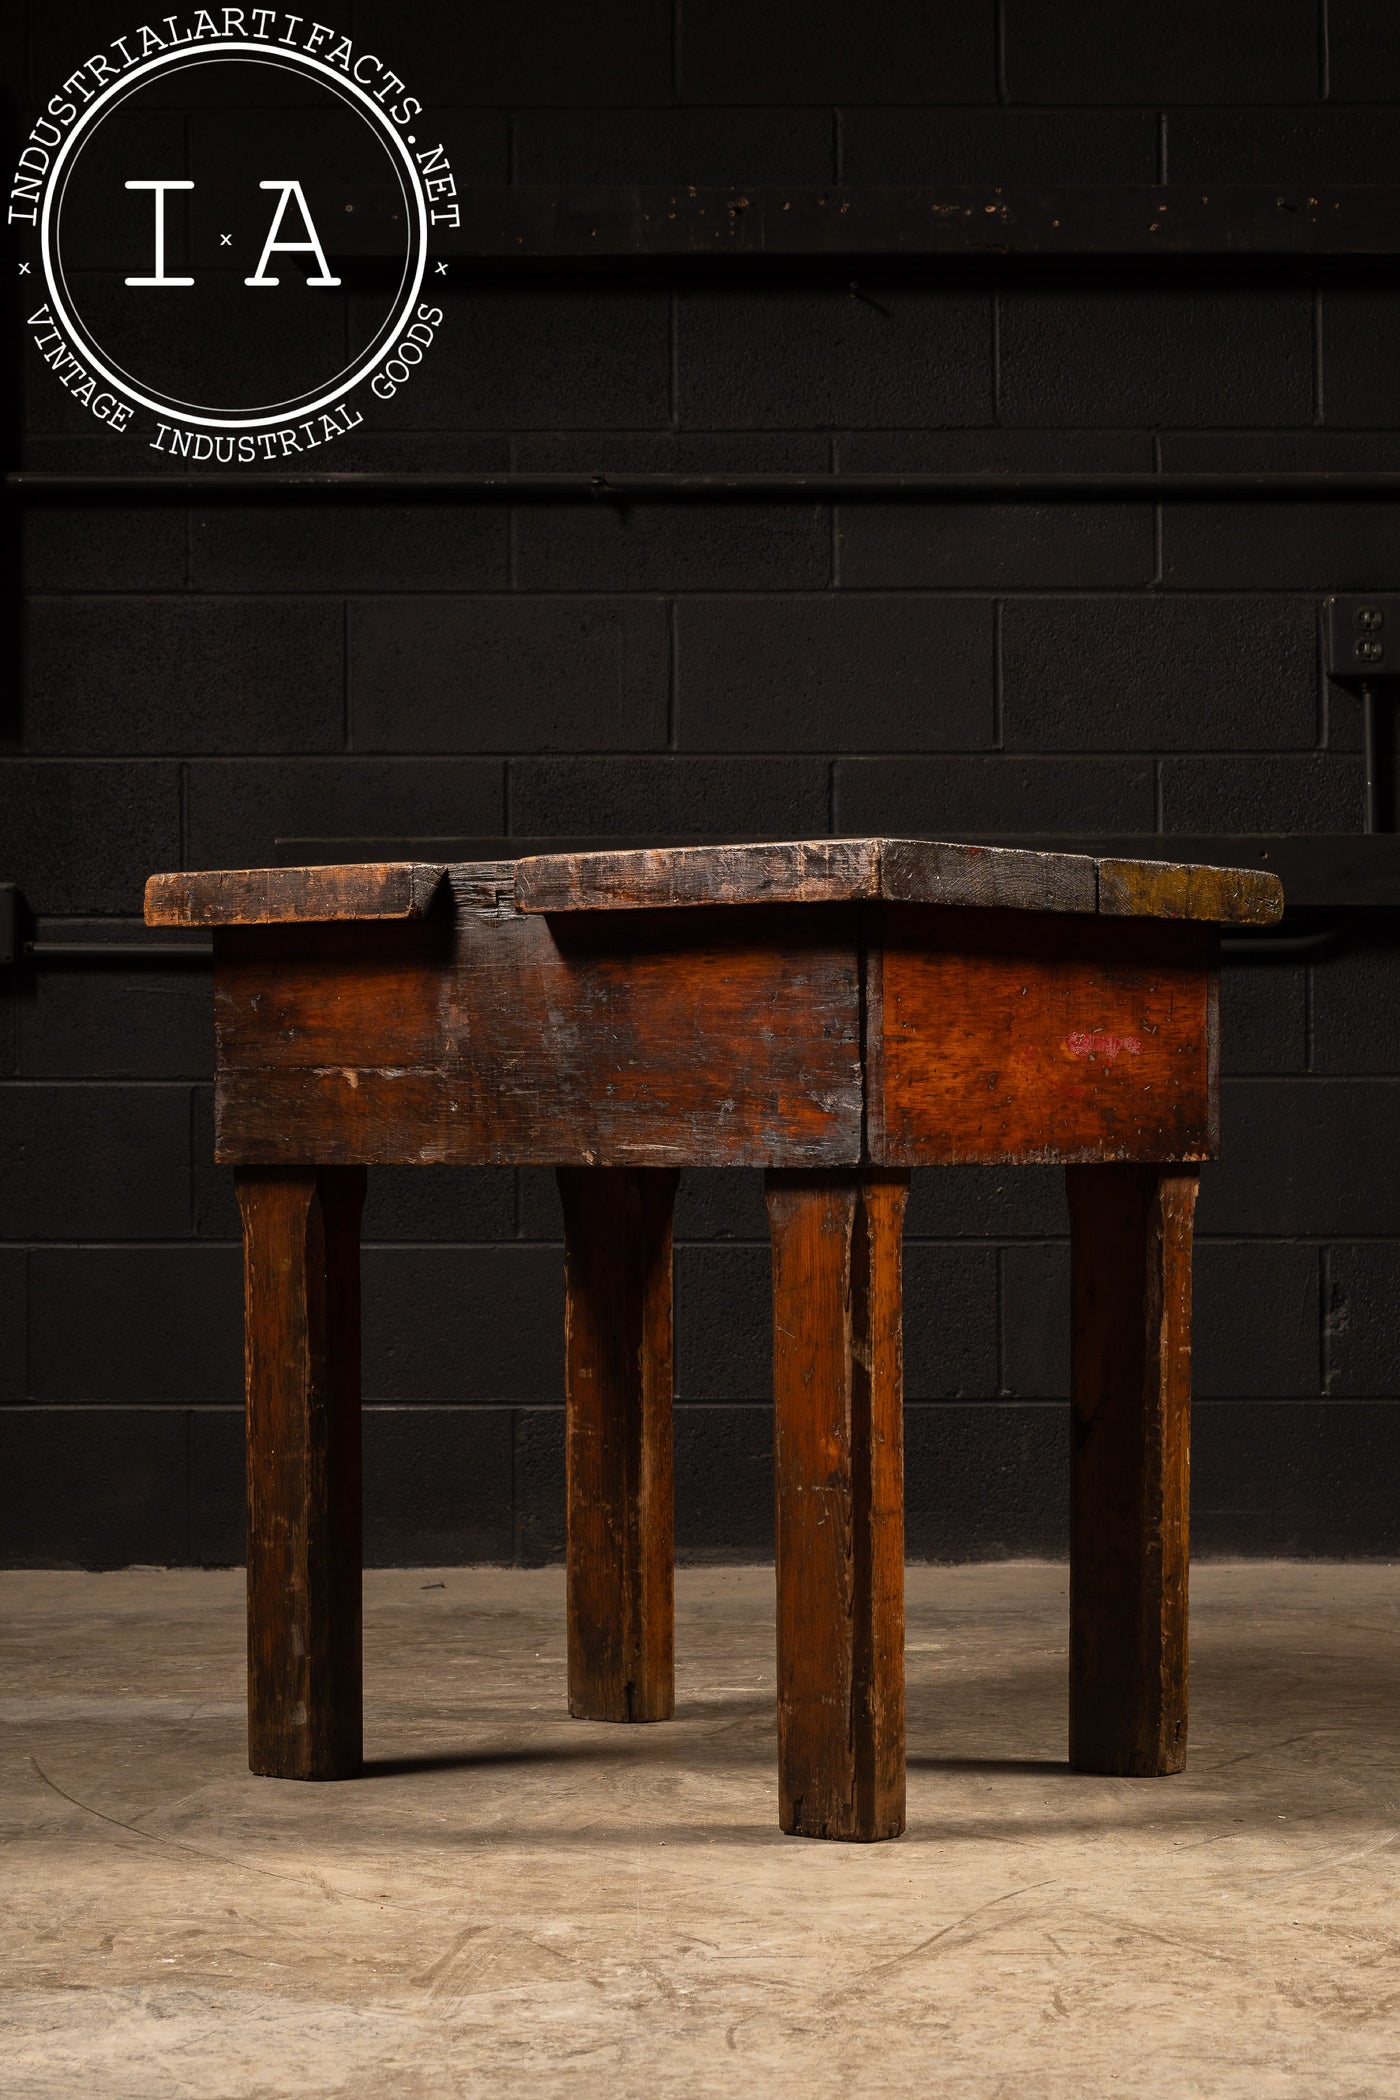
(804, 871)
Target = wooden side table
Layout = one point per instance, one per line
(836, 1012)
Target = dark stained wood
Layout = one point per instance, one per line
(799, 871)
(811, 871)
(835, 1011)
(1316, 869)
(1131, 1326)
(925, 871)
(1010, 1036)
(839, 1442)
(911, 871)
(728, 1036)
(279, 896)
(618, 1443)
(489, 1036)
(301, 1242)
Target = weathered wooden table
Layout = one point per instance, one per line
(836, 1012)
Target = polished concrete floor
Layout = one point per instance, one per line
(512, 1903)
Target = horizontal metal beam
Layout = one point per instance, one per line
(199, 955)
(252, 486)
(120, 954)
(771, 222)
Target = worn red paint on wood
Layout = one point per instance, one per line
(1001, 1036)
(654, 1039)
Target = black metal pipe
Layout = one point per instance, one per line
(197, 954)
(924, 487)
(200, 955)
(1287, 947)
(1263, 947)
(1369, 757)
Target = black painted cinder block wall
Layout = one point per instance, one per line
(202, 682)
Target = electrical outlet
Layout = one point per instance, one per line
(1363, 636)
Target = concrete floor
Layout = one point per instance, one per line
(513, 1903)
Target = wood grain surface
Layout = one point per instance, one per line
(914, 871)
(1169, 890)
(1000, 1035)
(835, 1011)
(282, 896)
(1131, 1233)
(730, 1037)
(839, 1450)
(801, 871)
(921, 871)
(618, 1442)
(301, 1266)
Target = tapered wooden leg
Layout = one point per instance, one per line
(618, 1442)
(1131, 1376)
(838, 1391)
(301, 1268)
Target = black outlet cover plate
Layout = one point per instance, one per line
(1363, 636)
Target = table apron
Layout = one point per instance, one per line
(784, 1036)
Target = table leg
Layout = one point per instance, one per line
(1130, 1232)
(301, 1268)
(839, 1440)
(618, 1441)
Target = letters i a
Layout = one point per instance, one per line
(272, 246)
